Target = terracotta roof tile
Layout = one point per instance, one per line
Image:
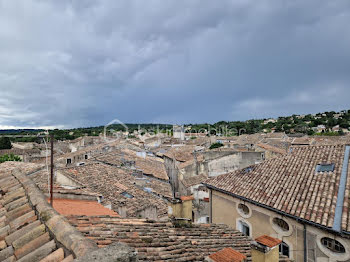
(149, 165)
(268, 241)
(291, 184)
(22, 234)
(181, 153)
(272, 148)
(186, 198)
(81, 207)
(227, 255)
(157, 241)
(112, 182)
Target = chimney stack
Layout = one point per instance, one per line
(265, 249)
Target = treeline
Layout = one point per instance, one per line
(290, 124)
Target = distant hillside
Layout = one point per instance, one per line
(326, 123)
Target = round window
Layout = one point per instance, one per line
(244, 209)
(333, 245)
(281, 223)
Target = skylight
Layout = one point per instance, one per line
(127, 195)
(325, 168)
(247, 170)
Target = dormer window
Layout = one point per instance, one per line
(325, 168)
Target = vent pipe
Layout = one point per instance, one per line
(341, 192)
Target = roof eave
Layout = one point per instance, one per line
(298, 219)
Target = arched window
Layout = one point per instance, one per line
(284, 249)
(244, 228)
(243, 208)
(333, 245)
(281, 223)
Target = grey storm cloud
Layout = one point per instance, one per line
(84, 63)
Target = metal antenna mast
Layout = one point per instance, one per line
(51, 180)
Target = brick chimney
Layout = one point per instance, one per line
(265, 249)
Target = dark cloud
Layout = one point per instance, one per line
(83, 63)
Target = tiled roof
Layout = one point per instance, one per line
(272, 148)
(268, 241)
(111, 181)
(81, 207)
(200, 158)
(194, 180)
(291, 185)
(161, 241)
(23, 236)
(17, 151)
(41, 180)
(227, 255)
(153, 166)
(181, 153)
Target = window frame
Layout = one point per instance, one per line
(331, 245)
(279, 222)
(244, 227)
(284, 245)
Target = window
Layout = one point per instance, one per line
(284, 249)
(69, 161)
(127, 195)
(325, 168)
(244, 228)
(86, 156)
(333, 245)
(281, 223)
(244, 209)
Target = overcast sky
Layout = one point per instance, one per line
(87, 62)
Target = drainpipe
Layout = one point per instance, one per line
(210, 206)
(305, 244)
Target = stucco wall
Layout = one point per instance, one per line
(225, 210)
(233, 162)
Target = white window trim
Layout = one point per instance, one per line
(333, 255)
(280, 231)
(291, 250)
(240, 211)
(241, 220)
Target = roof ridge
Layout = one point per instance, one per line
(62, 231)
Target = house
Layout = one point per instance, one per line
(270, 151)
(321, 128)
(187, 169)
(142, 161)
(130, 194)
(31, 230)
(336, 128)
(301, 198)
(270, 120)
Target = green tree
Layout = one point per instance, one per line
(5, 143)
(10, 157)
(216, 145)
